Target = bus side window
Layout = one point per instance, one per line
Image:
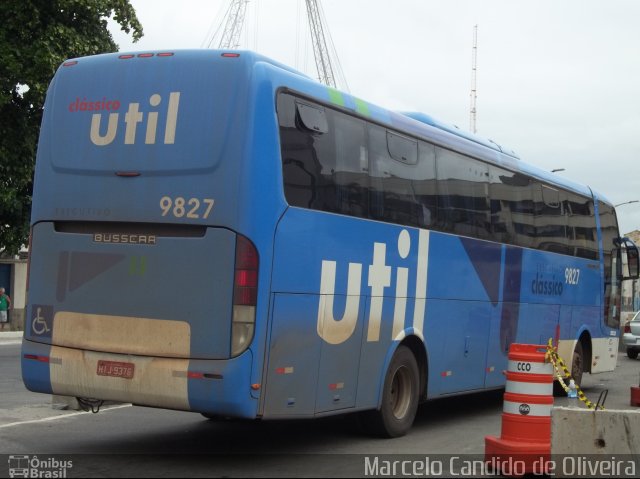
(512, 211)
(350, 174)
(298, 162)
(425, 186)
(391, 168)
(583, 239)
(463, 195)
(551, 231)
(307, 162)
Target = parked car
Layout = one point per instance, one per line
(631, 336)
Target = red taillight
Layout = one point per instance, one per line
(70, 63)
(129, 56)
(627, 327)
(245, 286)
(230, 55)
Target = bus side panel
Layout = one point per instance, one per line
(505, 318)
(335, 260)
(497, 347)
(224, 388)
(539, 323)
(294, 356)
(457, 332)
(338, 376)
(464, 279)
(557, 291)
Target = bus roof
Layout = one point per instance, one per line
(417, 123)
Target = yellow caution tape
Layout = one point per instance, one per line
(553, 357)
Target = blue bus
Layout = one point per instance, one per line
(215, 232)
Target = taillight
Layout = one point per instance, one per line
(627, 327)
(245, 295)
(245, 285)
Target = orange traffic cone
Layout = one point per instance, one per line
(524, 445)
(635, 395)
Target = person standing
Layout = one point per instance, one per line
(5, 306)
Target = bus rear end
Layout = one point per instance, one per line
(142, 285)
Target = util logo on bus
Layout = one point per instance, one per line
(338, 330)
(132, 118)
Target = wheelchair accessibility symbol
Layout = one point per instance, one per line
(41, 320)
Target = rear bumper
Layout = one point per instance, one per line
(220, 387)
(631, 340)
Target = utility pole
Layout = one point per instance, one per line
(320, 49)
(474, 67)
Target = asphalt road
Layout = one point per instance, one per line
(141, 442)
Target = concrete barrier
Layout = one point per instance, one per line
(11, 334)
(584, 431)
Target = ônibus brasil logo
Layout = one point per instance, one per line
(132, 118)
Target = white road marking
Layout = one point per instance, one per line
(62, 416)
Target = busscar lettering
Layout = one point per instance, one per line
(124, 238)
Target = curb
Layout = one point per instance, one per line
(11, 334)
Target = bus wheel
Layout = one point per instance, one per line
(399, 397)
(577, 366)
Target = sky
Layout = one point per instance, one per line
(558, 81)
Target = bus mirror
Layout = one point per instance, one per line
(630, 264)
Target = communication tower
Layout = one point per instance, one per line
(474, 67)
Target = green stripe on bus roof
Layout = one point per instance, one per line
(336, 97)
(362, 107)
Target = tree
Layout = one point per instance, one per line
(36, 36)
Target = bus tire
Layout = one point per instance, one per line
(400, 397)
(577, 365)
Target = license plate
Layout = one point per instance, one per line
(115, 369)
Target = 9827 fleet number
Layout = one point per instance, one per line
(180, 207)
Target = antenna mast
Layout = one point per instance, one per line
(233, 23)
(474, 59)
(321, 49)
